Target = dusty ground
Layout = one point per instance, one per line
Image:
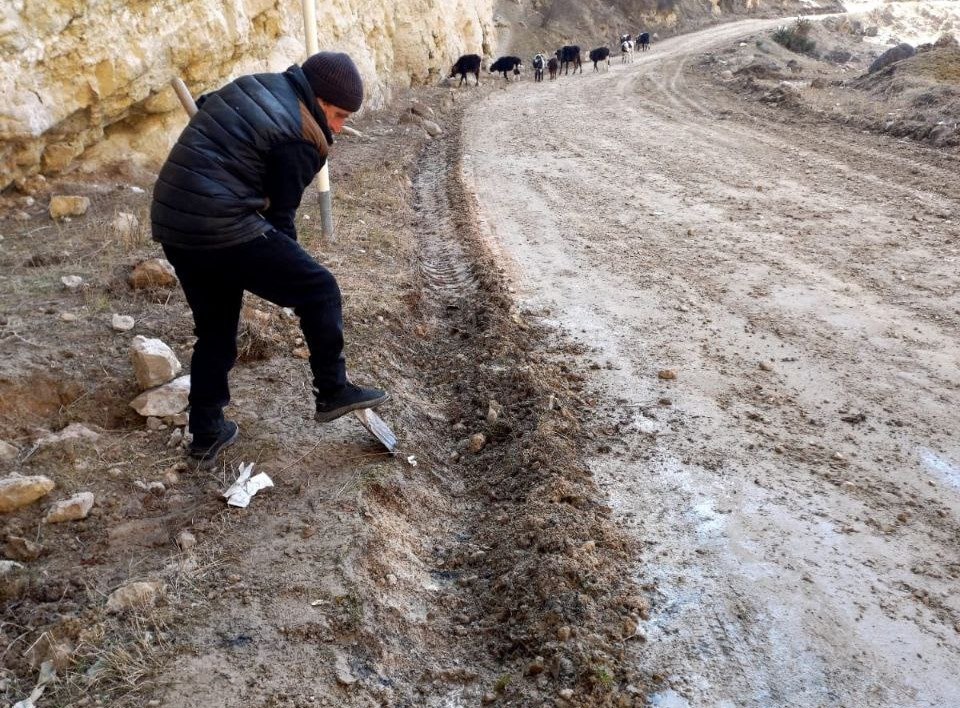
(488, 570)
(795, 480)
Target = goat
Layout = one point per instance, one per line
(467, 64)
(504, 65)
(539, 61)
(552, 66)
(598, 55)
(643, 39)
(626, 51)
(568, 55)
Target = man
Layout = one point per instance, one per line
(223, 210)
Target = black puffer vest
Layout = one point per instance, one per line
(210, 191)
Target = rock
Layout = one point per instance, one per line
(494, 410)
(421, 109)
(62, 206)
(563, 633)
(946, 41)
(9, 566)
(764, 366)
(17, 491)
(566, 694)
(154, 363)
(176, 437)
(536, 666)
(186, 540)
(8, 452)
(891, 56)
(68, 440)
(68, 317)
(134, 596)
(125, 225)
(22, 549)
(488, 698)
(838, 56)
(818, 83)
(73, 509)
(168, 399)
(667, 374)
(71, 282)
(179, 420)
(726, 75)
(433, 130)
(345, 676)
(154, 423)
(152, 273)
(171, 478)
(122, 323)
(942, 135)
(476, 442)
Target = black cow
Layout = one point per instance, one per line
(504, 65)
(598, 55)
(568, 55)
(643, 41)
(552, 67)
(467, 64)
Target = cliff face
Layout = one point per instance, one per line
(92, 77)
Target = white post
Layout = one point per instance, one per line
(323, 178)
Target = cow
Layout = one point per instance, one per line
(552, 66)
(504, 65)
(643, 41)
(539, 62)
(568, 55)
(626, 51)
(467, 64)
(598, 55)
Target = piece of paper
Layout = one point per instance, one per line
(241, 492)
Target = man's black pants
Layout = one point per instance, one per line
(276, 268)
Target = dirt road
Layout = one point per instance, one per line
(797, 485)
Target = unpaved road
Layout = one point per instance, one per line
(799, 493)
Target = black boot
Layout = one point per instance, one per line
(204, 452)
(348, 398)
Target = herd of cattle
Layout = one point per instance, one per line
(561, 60)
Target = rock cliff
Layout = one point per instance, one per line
(74, 72)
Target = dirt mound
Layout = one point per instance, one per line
(837, 78)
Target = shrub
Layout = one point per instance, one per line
(796, 38)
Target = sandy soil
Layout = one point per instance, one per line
(796, 486)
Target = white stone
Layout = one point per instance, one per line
(8, 566)
(68, 437)
(186, 540)
(71, 282)
(122, 323)
(133, 596)
(165, 400)
(17, 491)
(7, 451)
(63, 206)
(154, 363)
(73, 509)
(125, 224)
(433, 130)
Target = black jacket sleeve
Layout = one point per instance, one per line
(290, 169)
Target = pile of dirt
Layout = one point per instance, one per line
(827, 77)
(480, 563)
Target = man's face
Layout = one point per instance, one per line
(336, 117)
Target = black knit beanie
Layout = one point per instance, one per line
(334, 78)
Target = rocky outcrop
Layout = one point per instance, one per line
(75, 73)
(891, 56)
